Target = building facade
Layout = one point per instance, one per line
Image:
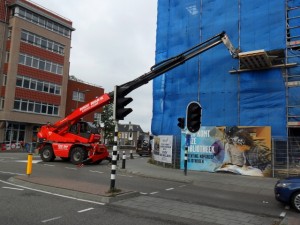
(260, 88)
(79, 93)
(35, 51)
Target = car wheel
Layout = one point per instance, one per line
(78, 155)
(47, 154)
(296, 201)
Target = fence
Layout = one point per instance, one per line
(286, 157)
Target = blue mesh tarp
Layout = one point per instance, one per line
(254, 98)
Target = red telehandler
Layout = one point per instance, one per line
(79, 141)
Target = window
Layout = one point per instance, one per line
(37, 63)
(26, 83)
(19, 81)
(33, 84)
(78, 96)
(22, 59)
(36, 107)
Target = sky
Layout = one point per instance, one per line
(114, 42)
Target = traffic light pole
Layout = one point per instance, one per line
(114, 160)
(187, 144)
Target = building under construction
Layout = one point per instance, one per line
(260, 88)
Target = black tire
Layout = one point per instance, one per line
(47, 154)
(78, 155)
(296, 201)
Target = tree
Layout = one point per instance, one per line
(108, 121)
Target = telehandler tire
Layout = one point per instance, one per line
(78, 155)
(47, 154)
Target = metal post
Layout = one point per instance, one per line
(114, 160)
(123, 160)
(131, 155)
(187, 144)
(185, 159)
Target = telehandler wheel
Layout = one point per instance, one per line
(78, 155)
(47, 154)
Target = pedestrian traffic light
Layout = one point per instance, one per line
(194, 111)
(120, 101)
(181, 122)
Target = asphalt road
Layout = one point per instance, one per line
(27, 206)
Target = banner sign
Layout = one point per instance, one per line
(228, 149)
(162, 149)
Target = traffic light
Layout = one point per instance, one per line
(181, 122)
(194, 111)
(120, 101)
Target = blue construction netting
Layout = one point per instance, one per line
(256, 98)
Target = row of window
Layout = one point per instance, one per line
(42, 42)
(41, 21)
(40, 64)
(37, 85)
(35, 107)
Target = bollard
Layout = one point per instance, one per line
(29, 164)
(131, 155)
(118, 155)
(123, 160)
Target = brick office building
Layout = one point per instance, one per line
(79, 93)
(34, 69)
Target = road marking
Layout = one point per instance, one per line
(33, 161)
(95, 171)
(54, 194)
(71, 168)
(48, 220)
(143, 193)
(20, 174)
(153, 193)
(48, 165)
(19, 189)
(120, 175)
(169, 189)
(84, 210)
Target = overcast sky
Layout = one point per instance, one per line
(114, 42)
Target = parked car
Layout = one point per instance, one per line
(288, 191)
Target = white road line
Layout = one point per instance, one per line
(25, 161)
(120, 175)
(84, 210)
(48, 220)
(169, 189)
(95, 171)
(20, 174)
(51, 193)
(71, 168)
(143, 193)
(19, 189)
(153, 193)
(48, 165)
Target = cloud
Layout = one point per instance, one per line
(114, 42)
